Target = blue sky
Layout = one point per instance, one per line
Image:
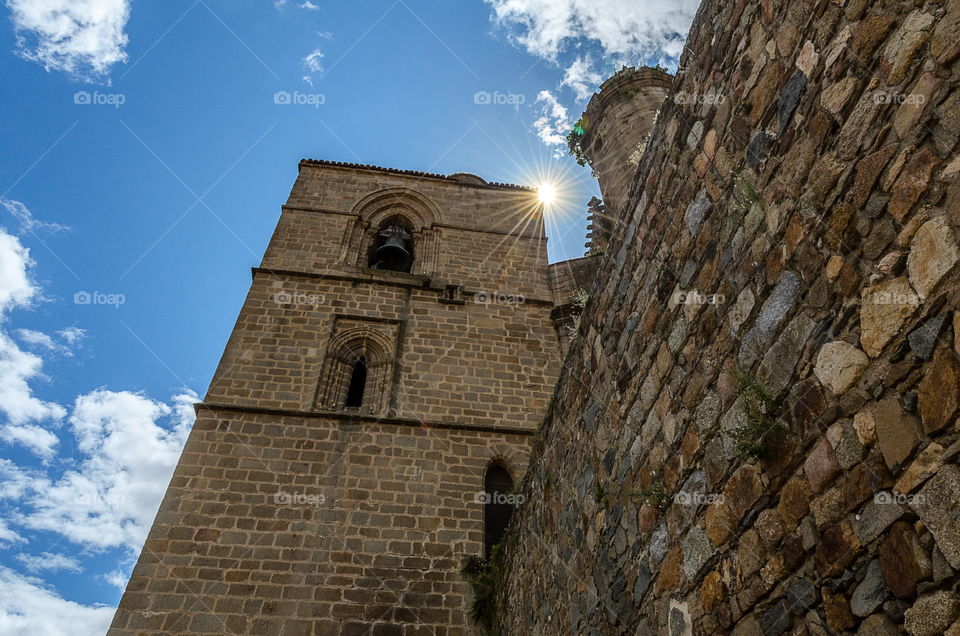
(145, 158)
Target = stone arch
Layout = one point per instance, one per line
(376, 208)
(345, 350)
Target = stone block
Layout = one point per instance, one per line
(937, 504)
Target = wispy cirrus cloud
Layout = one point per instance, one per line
(83, 38)
(25, 219)
(49, 562)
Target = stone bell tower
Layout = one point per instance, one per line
(395, 347)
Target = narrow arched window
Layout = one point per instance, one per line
(358, 382)
(393, 246)
(498, 506)
(356, 372)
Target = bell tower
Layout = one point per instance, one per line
(392, 359)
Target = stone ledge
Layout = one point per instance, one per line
(354, 416)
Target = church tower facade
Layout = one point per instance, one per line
(393, 357)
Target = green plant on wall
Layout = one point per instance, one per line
(654, 494)
(745, 193)
(484, 577)
(759, 425)
(578, 301)
(575, 140)
(600, 495)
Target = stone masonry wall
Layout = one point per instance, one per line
(278, 525)
(781, 284)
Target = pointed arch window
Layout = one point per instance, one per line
(498, 506)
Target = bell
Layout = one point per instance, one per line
(393, 253)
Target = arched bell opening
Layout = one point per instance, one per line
(392, 248)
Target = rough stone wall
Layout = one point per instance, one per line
(782, 283)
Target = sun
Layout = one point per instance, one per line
(547, 193)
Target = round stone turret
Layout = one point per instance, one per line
(614, 129)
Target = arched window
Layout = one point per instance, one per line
(356, 373)
(392, 248)
(358, 381)
(498, 506)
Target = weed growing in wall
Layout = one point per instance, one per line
(575, 139)
(760, 424)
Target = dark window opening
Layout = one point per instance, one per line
(358, 381)
(393, 248)
(498, 507)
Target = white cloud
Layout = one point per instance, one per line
(18, 367)
(36, 338)
(309, 5)
(16, 288)
(47, 561)
(117, 578)
(314, 65)
(25, 218)
(314, 61)
(630, 29)
(84, 38)
(8, 535)
(28, 608)
(63, 345)
(72, 335)
(582, 78)
(615, 32)
(130, 445)
(36, 438)
(14, 480)
(104, 497)
(553, 122)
